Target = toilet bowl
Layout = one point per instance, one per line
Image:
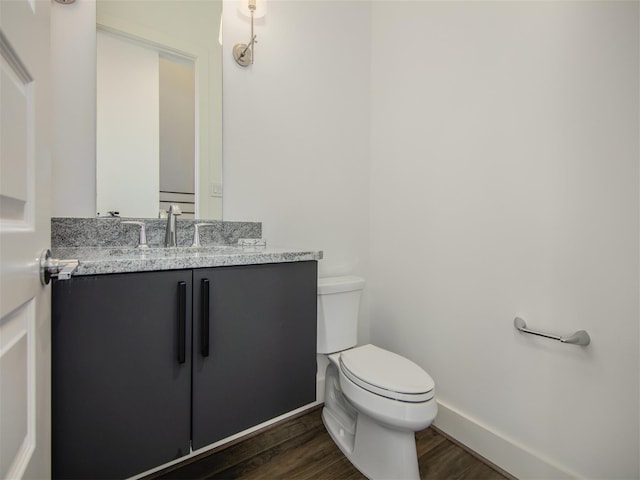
(375, 400)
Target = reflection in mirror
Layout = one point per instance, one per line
(159, 115)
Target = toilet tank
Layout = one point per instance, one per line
(338, 306)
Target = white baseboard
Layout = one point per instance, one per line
(506, 454)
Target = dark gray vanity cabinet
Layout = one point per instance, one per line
(147, 365)
(254, 346)
(121, 373)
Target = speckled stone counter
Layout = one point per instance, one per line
(104, 246)
(98, 261)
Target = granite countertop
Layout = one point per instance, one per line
(104, 260)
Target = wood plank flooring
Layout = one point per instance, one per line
(301, 449)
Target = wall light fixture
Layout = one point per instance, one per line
(243, 52)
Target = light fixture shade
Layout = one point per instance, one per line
(259, 12)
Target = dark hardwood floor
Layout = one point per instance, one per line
(300, 448)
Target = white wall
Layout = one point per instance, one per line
(73, 73)
(296, 128)
(296, 131)
(504, 182)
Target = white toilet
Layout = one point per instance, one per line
(375, 400)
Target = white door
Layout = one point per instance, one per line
(25, 305)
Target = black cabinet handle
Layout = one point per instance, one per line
(204, 319)
(182, 321)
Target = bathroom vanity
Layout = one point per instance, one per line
(151, 365)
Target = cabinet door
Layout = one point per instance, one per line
(258, 360)
(121, 373)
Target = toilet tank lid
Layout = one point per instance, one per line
(344, 284)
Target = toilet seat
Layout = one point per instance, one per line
(386, 374)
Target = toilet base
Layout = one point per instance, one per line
(378, 451)
(375, 450)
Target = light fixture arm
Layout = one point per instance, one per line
(247, 47)
(243, 53)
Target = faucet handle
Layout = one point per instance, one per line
(174, 210)
(142, 243)
(196, 233)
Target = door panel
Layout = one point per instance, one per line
(25, 151)
(16, 92)
(121, 393)
(17, 435)
(261, 360)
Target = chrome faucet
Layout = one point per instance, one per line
(171, 234)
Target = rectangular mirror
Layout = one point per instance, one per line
(159, 107)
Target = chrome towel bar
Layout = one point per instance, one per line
(581, 337)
